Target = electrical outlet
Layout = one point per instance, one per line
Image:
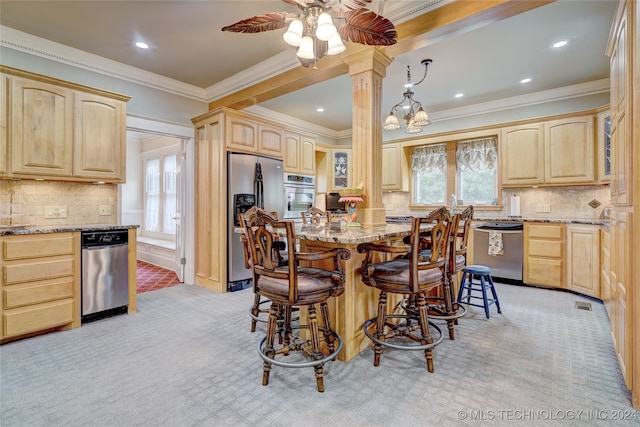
(53, 212)
(104, 210)
(543, 208)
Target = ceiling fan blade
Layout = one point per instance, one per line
(260, 23)
(366, 27)
(352, 4)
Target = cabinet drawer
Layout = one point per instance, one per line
(34, 247)
(546, 231)
(35, 318)
(546, 272)
(29, 272)
(545, 248)
(26, 294)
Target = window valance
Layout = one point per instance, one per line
(431, 158)
(477, 154)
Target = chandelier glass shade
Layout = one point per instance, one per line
(413, 114)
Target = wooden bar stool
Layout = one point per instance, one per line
(483, 273)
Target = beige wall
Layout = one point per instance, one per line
(81, 201)
(565, 203)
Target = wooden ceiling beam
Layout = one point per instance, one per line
(446, 21)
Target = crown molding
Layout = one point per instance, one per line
(552, 95)
(33, 45)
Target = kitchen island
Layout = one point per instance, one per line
(359, 302)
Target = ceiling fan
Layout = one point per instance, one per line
(321, 27)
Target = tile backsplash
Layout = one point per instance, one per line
(26, 202)
(563, 203)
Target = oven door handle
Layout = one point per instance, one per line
(483, 230)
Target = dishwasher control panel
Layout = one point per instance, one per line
(104, 238)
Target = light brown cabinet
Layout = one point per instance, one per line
(395, 169)
(41, 129)
(299, 156)
(605, 270)
(40, 287)
(61, 130)
(250, 135)
(583, 254)
(341, 169)
(543, 254)
(603, 146)
(4, 89)
(555, 152)
(569, 151)
(522, 155)
(100, 128)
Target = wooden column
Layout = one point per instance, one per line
(368, 67)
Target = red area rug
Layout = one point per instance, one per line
(151, 277)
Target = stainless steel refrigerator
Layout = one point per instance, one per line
(251, 180)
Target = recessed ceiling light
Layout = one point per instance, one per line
(320, 109)
(526, 80)
(561, 43)
(142, 45)
(459, 95)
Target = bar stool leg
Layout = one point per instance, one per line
(271, 335)
(382, 310)
(483, 283)
(461, 290)
(424, 328)
(495, 295)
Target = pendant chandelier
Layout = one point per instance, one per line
(322, 26)
(413, 113)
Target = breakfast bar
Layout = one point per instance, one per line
(359, 302)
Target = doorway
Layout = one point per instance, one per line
(156, 194)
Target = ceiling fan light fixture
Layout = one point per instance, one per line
(391, 123)
(335, 45)
(306, 50)
(293, 36)
(326, 29)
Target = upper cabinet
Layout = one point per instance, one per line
(569, 151)
(59, 130)
(299, 156)
(100, 129)
(4, 81)
(341, 169)
(395, 170)
(603, 146)
(250, 135)
(522, 155)
(41, 129)
(556, 152)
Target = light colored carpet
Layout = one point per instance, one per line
(187, 358)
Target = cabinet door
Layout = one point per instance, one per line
(4, 113)
(270, 141)
(394, 168)
(543, 254)
(582, 259)
(522, 152)
(241, 134)
(605, 269)
(307, 161)
(622, 272)
(569, 151)
(291, 153)
(340, 169)
(99, 137)
(42, 129)
(603, 146)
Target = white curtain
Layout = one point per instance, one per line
(431, 158)
(152, 205)
(477, 154)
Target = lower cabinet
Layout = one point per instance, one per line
(583, 247)
(40, 287)
(544, 254)
(605, 270)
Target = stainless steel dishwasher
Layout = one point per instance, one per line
(506, 266)
(105, 273)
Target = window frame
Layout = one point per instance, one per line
(160, 154)
(452, 184)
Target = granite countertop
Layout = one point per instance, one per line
(599, 221)
(40, 229)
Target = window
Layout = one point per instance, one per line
(468, 169)
(160, 193)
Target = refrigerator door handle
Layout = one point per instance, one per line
(259, 189)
